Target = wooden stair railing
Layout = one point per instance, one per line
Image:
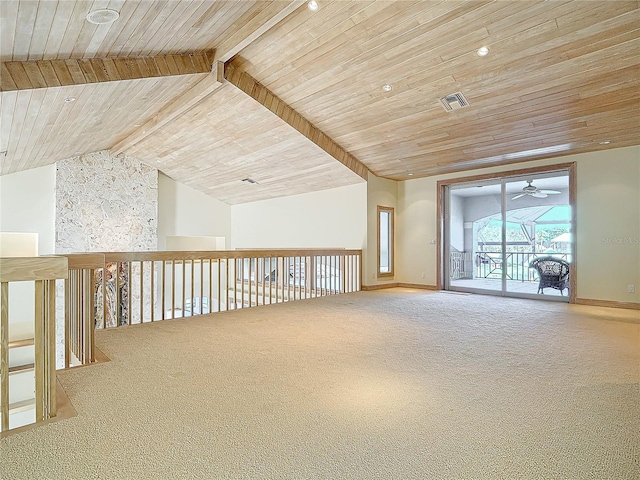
(104, 290)
(112, 289)
(43, 271)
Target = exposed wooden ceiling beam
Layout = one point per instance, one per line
(29, 75)
(244, 34)
(258, 92)
(247, 32)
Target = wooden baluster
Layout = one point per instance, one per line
(356, 272)
(163, 286)
(313, 276)
(306, 276)
(40, 351)
(67, 320)
(153, 284)
(87, 318)
(299, 289)
(327, 275)
(117, 294)
(184, 284)
(241, 275)
(129, 284)
(347, 269)
(173, 288)
(104, 295)
(77, 308)
(141, 291)
(219, 300)
(192, 289)
(262, 278)
(50, 324)
(253, 267)
(211, 285)
(4, 356)
(270, 280)
(201, 263)
(226, 284)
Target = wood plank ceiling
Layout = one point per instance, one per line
(560, 77)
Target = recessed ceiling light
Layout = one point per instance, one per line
(410, 174)
(605, 142)
(483, 51)
(387, 88)
(102, 16)
(313, 6)
(70, 99)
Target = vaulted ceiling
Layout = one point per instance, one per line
(212, 92)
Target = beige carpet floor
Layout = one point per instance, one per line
(395, 384)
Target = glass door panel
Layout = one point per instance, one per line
(538, 220)
(474, 237)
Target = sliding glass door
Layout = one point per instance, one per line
(509, 236)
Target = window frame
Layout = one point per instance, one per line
(391, 240)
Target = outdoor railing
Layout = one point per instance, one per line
(36, 309)
(492, 264)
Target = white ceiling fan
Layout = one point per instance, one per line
(534, 191)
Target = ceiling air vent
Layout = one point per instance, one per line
(103, 16)
(454, 101)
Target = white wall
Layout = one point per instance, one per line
(416, 231)
(183, 211)
(608, 223)
(329, 218)
(608, 233)
(27, 205)
(384, 193)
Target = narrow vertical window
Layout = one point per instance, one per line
(385, 241)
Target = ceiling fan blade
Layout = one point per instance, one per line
(549, 192)
(518, 196)
(539, 195)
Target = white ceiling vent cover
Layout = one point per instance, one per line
(103, 16)
(454, 101)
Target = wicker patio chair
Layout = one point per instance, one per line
(553, 273)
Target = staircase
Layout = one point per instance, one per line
(22, 396)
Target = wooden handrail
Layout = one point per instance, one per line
(222, 254)
(79, 261)
(22, 269)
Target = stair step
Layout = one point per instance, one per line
(22, 405)
(27, 342)
(21, 368)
